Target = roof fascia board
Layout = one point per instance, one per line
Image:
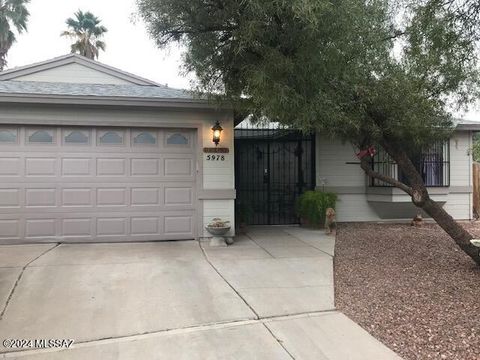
(7, 73)
(111, 101)
(33, 69)
(468, 127)
(74, 59)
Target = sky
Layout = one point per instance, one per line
(129, 46)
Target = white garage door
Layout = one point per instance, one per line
(105, 184)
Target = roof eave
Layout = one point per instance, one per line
(468, 127)
(112, 101)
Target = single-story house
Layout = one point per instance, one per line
(91, 153)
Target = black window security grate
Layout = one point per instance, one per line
(433, 164)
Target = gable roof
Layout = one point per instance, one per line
(91, 90)
(14, 73)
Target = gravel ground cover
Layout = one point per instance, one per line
(411, 288)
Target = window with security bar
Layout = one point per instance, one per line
(432, 163)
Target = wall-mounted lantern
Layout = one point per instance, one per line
(217, 132)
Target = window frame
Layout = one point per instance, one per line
(397, 175)
(13, 130)
(29, 132)
(68, 131)
(103, 132)
(170, 134)
(137, 132)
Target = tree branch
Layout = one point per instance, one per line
(396, 34)
(366, 166)
(180, 30)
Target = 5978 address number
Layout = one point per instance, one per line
(216, 157)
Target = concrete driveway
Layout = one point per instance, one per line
(269, 296)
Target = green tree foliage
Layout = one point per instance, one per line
(87, 32)
(13, 16)
(376, 72)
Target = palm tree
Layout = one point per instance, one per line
(13, 15)
(87, 32)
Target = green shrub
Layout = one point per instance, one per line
(312, 205)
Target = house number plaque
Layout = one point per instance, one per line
(216, 153)
(214, 157)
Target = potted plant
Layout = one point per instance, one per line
(218, 227)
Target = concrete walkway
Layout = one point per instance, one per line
(269, 296)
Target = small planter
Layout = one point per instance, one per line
(217, 231)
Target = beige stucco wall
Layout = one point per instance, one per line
(338, 170)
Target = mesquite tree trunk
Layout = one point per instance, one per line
(420, 197)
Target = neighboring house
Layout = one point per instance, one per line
(91, 153)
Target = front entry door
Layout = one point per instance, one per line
(272, 170)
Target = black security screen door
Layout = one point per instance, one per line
(272, 168)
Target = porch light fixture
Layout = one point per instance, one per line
(217, 132)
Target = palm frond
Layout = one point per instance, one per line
(73, 24)
(100, 45)
(11, 38)
(6, 41)
(15, 11)
(68, 33)
(76, 48)
(94, 51)
(99, 30)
